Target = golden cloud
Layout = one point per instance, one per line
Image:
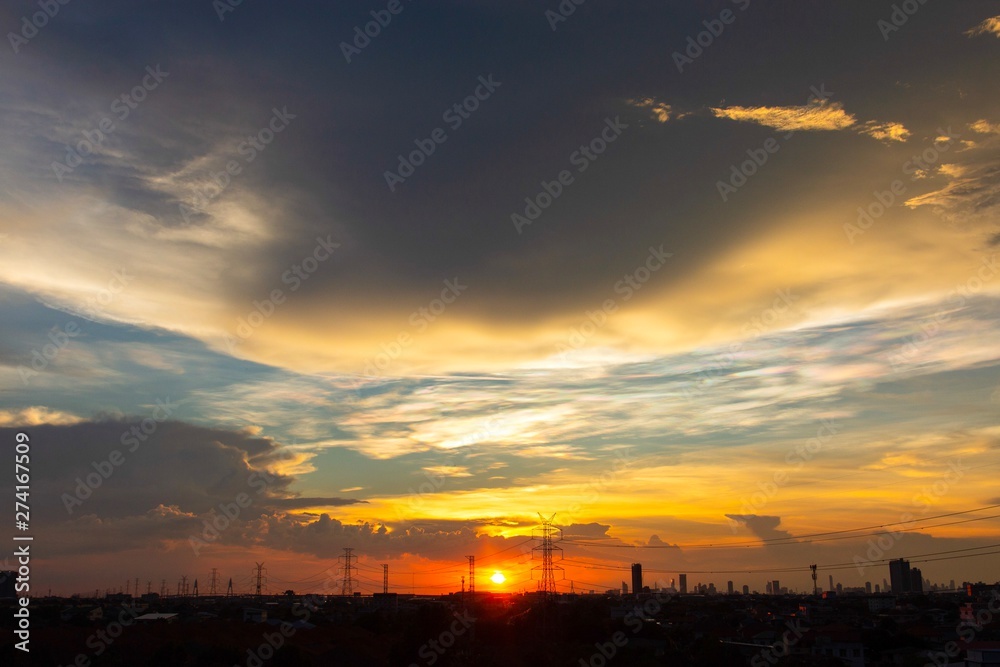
(811, 117)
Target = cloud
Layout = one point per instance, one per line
(36, 415)
(887, 132)
(764, 527)
(811, 117)
(591, 530)
(983, 126)
(655, 541)
(990, 26)
(191, 468)
(658, 110)
(817, 116)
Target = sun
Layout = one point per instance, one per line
(498, 578)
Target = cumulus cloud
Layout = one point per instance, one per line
(190, 468)
(764, 527)
(592, 530)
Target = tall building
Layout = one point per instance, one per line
(868, 587)
(730, 586)
(776, 587)
(636, 578)
(624, 588)
(683, 583)
(916, 580)
(746, 590)
(7, 579)
(899, 576)
(831, 583)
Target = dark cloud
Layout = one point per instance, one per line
(586, 530)
(764, 527)
(190, 468)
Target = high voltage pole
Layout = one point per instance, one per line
(472, 577)
(213, 583)
(347, 588)
(385, 578)
(548, 536)
(261, 579)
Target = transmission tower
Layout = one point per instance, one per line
(184, 586)
(815, 586)
(196, 588)
(136, 589)
(472, 577)
(163, 588)
(548, 536)
(229, 591)
(261, 579)
(213, 583)
(385, 578)
(347, 587)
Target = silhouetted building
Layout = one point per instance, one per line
(899, 576)
(7, 579)
(636, 578)
(746, 590)
(683, 583)
(730, 586)
(916, 580)
(776, 587)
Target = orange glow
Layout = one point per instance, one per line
(498, 578)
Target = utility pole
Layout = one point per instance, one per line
(815, 586)
(347, 587)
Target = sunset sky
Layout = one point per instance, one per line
(704, 279)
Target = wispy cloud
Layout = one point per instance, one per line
(990, 26)
(887, 132)
(660, 111)
(809, 117)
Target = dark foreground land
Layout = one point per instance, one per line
(657, 628)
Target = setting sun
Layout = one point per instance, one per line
(498, 578)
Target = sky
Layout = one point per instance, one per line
(715, 283)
